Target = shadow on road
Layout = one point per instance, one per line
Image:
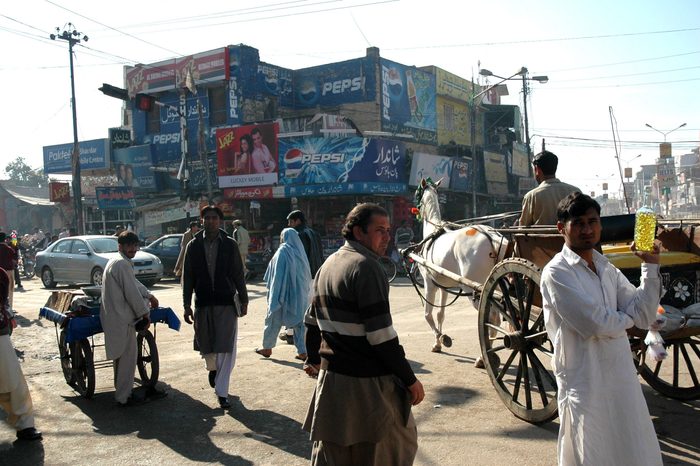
(19, 452)
(272, 428)
(178, 421)
(678, 445)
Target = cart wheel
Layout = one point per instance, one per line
(83, 368)
(147, 360)
(516, 351)
(677, 375)
(65, 354)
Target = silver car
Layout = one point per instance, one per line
(82, 259)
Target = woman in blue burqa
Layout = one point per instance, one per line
(288, 279)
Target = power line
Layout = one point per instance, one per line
(628, 75)
(554, 88)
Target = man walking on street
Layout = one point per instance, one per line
(214, 272)
(361, 409)
(124, 311)
(15, 399)
(186, 238)
(8, 262)
(588, 306)
(240, 234)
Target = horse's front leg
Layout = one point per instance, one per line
(430, 291)
(442, 339)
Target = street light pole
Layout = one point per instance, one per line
(72, 36)
(664, 133)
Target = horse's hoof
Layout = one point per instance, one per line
(436, 349)
(479, 363)
(446, 341)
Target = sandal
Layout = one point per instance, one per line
(263, 352)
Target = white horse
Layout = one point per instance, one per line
(470, 251)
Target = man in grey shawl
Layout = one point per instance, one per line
(213, 270)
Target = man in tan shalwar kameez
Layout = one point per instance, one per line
(125, 302)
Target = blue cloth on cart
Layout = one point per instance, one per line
(80, 327)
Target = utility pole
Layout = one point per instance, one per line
(527, 129)
(202, 143)
(72, 36)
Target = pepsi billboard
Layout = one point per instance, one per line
(408, 101)
(310, 161)
(335, 84)
(94, 155)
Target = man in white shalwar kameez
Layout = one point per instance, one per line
(125, 301)
(588, 306)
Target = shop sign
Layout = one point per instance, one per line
(115, 197)
(259, 192)
(94, 155)
(345, 188)
(59, 191)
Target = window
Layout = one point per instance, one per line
(172, 242)
(79, 247)
(217, 106)
(63, 247)
(449, 112)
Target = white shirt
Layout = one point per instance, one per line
(603, 414)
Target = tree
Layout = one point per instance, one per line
(23, 175)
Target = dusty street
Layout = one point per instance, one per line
(461, 421)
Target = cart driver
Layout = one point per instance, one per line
(540, 204)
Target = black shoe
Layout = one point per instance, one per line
(283, 336)
(224, 403)
(212, 379)
(30, 433)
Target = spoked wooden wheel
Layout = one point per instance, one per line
(83, 368)
(677, 376)
(64, 352)
(147, 359)
(516, 351)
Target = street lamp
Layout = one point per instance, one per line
(72, 36)
(665, 133)
(523, 73)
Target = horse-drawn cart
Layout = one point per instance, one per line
(76, 319)
(515, 348)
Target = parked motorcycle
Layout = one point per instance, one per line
(26, 262)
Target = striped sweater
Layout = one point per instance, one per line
(350, 307)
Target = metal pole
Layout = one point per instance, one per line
(203, 151)
(472, 141)
(527, 129)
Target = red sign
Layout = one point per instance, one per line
(59, 191)
(248, 193)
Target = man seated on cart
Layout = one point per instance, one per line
(124, 311)
(588, 306)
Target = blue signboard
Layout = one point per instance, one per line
(345, 188)
(408, 101)
(335, 84)
(134, 167)
(94, 155)
(340, 160)
(275, 81)
(115, 197)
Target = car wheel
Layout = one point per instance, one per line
(96, 276)
(47, 278)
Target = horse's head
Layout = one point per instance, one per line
(426, 199)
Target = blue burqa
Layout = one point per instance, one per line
(288, 279)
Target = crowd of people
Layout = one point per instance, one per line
(339, 315)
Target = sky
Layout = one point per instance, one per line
(619, 64)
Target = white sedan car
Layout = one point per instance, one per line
(82, 259)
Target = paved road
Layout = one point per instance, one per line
(461, 421)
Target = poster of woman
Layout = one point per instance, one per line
(247, 155)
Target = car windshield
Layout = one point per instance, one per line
(101, 245)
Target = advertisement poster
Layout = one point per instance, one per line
(521, 164)
(431, 166)
(461, 176)
(247, 155)
(408, 102)
(133, 167)
(94, 155)
(496, 173)
(335, 84)
(115, 197)
(307, 161)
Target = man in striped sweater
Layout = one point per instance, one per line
(361, 409)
